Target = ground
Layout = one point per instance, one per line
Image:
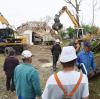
(42, 55)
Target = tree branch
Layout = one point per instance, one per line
(68, 1)
(80, 2)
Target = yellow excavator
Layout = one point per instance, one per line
(57, 25)
(9, 37)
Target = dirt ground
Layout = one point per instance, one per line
(41, 55)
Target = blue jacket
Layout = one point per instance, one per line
(27, 81)
(87, 59)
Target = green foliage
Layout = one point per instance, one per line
(62, 34)
(94, 89)
(94, 43)
(70, 32)
(88, 28)
(95, 46)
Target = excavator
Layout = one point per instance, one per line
(79, 32)
(57, 25)
(9, 37)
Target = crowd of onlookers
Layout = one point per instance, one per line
(69, 83)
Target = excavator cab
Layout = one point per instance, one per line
(6, 34)
(78, 33)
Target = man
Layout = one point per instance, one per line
(26, 78)
(9, 65)
(56, 50)
(76, 44)
(68, 83)
(87, 58)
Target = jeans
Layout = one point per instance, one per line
(20, 97)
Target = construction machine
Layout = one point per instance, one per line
(79, 32)
(9, 37)
(57, 25)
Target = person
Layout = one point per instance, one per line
(87, 58)
(26, 78)
(68, 83)
(56, 50)
(9, 66)
(77, 46)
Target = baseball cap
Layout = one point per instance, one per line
(68, 54)
(26, 54)
(87, 44)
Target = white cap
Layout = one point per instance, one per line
(26, 54)
(68, 54)
(57, 40)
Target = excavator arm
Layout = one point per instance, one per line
(57, 25)
(72, 17)
(3, 20)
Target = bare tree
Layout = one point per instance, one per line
(94, 8)
(76, 7)
(46, 19)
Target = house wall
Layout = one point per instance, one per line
(28, 34)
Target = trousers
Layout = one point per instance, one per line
(10, 83)
(55, 59)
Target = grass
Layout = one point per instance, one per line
(95, 89)
(97, 54)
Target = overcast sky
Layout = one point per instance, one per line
(21, 11)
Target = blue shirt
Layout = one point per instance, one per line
(88, 59)
(27, 81)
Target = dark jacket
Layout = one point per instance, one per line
(56, 49)
(9, 65)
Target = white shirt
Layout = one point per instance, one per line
(69, 80)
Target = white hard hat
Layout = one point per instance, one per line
(57, 40)
(26, 54)
(68, 54)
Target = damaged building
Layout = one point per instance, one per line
(37, 32)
